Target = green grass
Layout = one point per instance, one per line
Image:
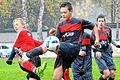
(13, 72)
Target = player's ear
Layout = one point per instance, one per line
(71, 11)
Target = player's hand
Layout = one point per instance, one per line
(82, 53)
(52, 32)
(9, 62)
(97, 42)
(98, 54)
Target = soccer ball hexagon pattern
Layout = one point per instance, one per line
(52, 43)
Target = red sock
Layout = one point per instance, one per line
(66, 75)
(29, 66)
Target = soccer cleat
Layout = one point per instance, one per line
(40, 70)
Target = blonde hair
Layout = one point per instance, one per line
(22, 21)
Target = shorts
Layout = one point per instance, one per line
(37, 62)
(82, 66)
(106, 60)
(66, 55)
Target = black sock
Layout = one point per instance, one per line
(34, 52)
(111, 78)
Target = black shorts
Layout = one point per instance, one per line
(66, 55)
(37, 62)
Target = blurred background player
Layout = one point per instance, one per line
(82, 65)
(103, 55)
(25, 42)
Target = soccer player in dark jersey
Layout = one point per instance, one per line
(53, 33)
(70, 31)
(25, 42)
(103, 55)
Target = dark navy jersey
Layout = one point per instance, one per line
(109, 31)
(72, 30)
(105, 38)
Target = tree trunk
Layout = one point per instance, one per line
(39, 32)
(24, 8)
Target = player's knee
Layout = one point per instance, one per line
(106, 73)
(112, 73)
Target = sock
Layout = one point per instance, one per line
(66, 75)
(111, 78)
(101, 78)
(34, 52)
(29, 66)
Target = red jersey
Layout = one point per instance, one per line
(25, 41)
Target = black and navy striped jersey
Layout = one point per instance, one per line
(72, 30)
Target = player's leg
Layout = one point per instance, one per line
(37, 62)
(51, 43)
(102, 67)
(29, 66)
(112, 75)
(58, 73)
(110, 63)
(36, 51)
(77, 68)
(105, 74)
(88, 64)
(65, 57)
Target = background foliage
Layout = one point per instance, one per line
(88, 9)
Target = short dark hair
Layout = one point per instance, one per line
(68, 5)
(101, 16)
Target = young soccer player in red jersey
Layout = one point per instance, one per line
(25, 42)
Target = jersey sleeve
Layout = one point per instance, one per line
(87, 25)
(85, 41)
(37, 43)
(110, 36)
(58, 33)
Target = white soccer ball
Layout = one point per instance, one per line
(52, 43)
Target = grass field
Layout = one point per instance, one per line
(13, 72)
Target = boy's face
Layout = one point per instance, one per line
(18, 26)
(101, 23)
(65, 13)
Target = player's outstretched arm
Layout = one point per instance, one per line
(12, 55)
